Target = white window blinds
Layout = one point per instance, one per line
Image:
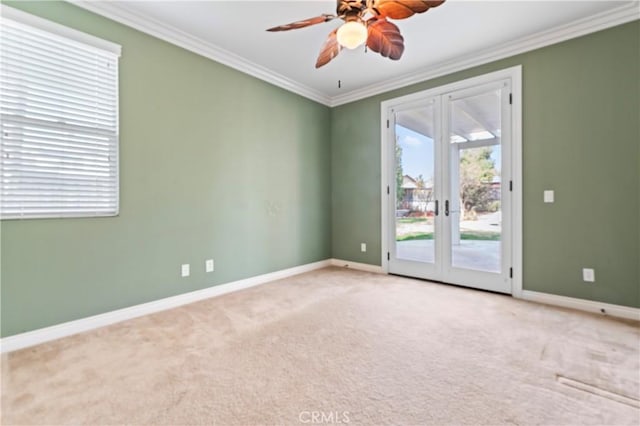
(59, 123)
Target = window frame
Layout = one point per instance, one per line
(85, 42)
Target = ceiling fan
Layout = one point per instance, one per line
(365, 20)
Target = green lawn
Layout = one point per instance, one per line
(412, 219)
(416, 236)
(465, 235)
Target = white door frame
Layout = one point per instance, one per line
(515, 75)
(415, 268)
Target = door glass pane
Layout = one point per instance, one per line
(475, 152)
(414, 180)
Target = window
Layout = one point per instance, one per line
(59, 120)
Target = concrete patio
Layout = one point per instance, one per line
(469, 254)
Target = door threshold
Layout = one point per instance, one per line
(451, 284)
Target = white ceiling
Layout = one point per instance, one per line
(456, 35)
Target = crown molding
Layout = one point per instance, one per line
(611, 18)
(119, 13)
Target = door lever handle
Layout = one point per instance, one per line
(436, 208)
(446, 208)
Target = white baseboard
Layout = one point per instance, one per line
(42, 335)
(582, 305)
(355, 265)
(35, 337)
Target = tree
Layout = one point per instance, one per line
(423, 192)
(477, 170)
(399, 175)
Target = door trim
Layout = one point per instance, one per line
(513, 73)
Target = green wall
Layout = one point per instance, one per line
(213, 164)
(217, 164)
(581, 137)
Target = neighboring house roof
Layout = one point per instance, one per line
(408, 182)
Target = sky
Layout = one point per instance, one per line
(417, 153)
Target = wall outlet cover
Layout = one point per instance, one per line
(208, 265)
(588, 275)
(363, 247)
(548, 196)
(185, 270)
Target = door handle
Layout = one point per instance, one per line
(436, 207)
(446, 208)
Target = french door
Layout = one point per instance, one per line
(450, 179)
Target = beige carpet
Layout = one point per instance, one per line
(336, 346)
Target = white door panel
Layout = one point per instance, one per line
(449, 174)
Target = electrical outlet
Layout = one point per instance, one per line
(208, 265)
(588, 275)
(548, 196)
(363, 247)
(185, 270)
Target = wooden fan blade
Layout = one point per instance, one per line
(330, 49)
(348, 7)
(385, 38)
(401, 9)
(304, 23)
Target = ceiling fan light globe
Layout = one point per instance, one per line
(352, 34)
